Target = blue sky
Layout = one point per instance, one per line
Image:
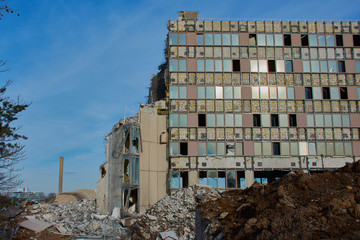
(86, 64)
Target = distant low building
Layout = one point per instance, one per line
(25, 195)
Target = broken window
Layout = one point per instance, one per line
(287, 40)
(343, 93)
(203, 177)
(308, 93)
(356, 39)
(230, 149)
(103, 172)
(201, 120)
(174, 149)
(271, 66)
(274, 120)
(326, 93)
(184, 179)
(292, 120)
(339, 40)
(276, 148)
(126, 146)
(184, 148)
(341, 66)
(240, 175)
(135, 171)
(288, 66)
(135, 136)
(256, 120)
(212, 178)
(304, 40)
(236, 65)
(175, 180)
(126, 171)
(252, 39)
(221, 179)
(231, 179)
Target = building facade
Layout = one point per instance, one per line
(252, 100)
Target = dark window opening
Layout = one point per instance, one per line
(252, 39)
(356, 40)
(339, 40)
(202, 120)
(274, 120)
(184, 148)
(103, 172)
(308, 93)
(343, 93)
(326, 93)
(292, 120)
(287, 40)
(288, 66)
(256, 120)
(341, 66)
(276, 148)
(221, 179)
(236, 65)
(304, 40)
(184, 178)
(271, 66)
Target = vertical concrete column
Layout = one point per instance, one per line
(61, 170)
(249, 177)
(193, 177)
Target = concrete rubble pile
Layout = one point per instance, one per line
(175, 212)
(77, 218)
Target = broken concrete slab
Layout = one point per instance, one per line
(168, 235)
(11, 212)
(35, 225)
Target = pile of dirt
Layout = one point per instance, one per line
(76, 196)
(298, 206)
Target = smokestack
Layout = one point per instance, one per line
(61, 175)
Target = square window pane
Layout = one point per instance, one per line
(283, 120)
(228, 92)
(312, 149)
(310, 120)
(306, 66)
(319, 120)
(317, 92)
(332, 66)
(238, 120)
(210, 93)
(227, 65)
(208, 39)
(303, 149)
(264, 92)
(265, 120)
(239, 149)
(229, 120)
(267, 148)
(255, 92)
(323, 66)
(279, 40)
(330, 40)
(211, 148)
(202, 148)
(328, 120)
(200, 66)
(218, 65)
(182, 38)
(334, 93)
(294, 149)
(321, 40)
(348, 149)
(282, 92)
(226, 39)
(339, 148)
(237, 92)
(263, 66)
(220, 120)
(253, 65)
(210, 120)
(219, 92)
(201, 92)
(174, 120)
(270, 40)
(209, 65)
(182, 91)
(173, 65)
(234, 39)
(260, 39)
(257, 149)
(217, 39)
(280, 67)
(290, 93)
(284, 148)
(345, 121)
(220, 148)
(173, 92)
(314, 66)
(182, 65)
(330, 149)
(173, 38)
(200, 39)
(313, 40)
(320, 147)
(183, 120)
(336, 120)
(273, 92)
(174, 148)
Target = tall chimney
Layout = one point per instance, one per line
(61, 175)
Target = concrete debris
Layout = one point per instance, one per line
(175, 212)
(10, 212)
(35, 225)
(169, 235)
(116, 212)
(78, 219)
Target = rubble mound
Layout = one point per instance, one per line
(298, 206)
(77, 219)
(175, 212)
(78, 195)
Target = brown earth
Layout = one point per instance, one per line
(78, 195)
(298, 206)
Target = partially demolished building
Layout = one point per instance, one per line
(238, 102)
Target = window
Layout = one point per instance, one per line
(218, 66)
(227, 65)
(330, 40)
(271, 66)
(228, 94)
(288, 66)
(184, 148)
(209, 65)
(263, 65)
(313, 40)
(208, 39)
(200, 39)
(357, 66)
(308, 93)
(173, 92)
(219, 92)
(173, 39)
(210, 92)
(260, 39)
(321, 40)
(234, 39)
(316, 92)
(356, 40)
(200, 65)
(174, 148)
(236, 65)
(182, 92)
(341, 66)
(283, 120)
(182, 38)
(332, 66)
(252, 39)
(326, 93)
(292, 120)
(256, 120)
(339, 40)
(287, 40)
(304, 40)
(343, 93)
(314, 66)
(274, 120)
(183, 120)
(253, 65)
(226, 39)
(306, 66)
(217, 39)
(290, 93)
(201, 92)
(173, 65)
(276, 148)
(269, 40)
(210, 120)
(201, 120)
